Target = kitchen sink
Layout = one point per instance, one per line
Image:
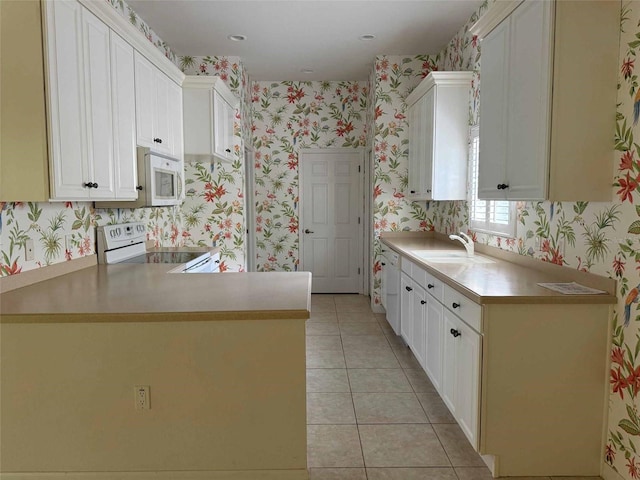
(451, 256)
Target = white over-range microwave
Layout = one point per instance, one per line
(159, 181)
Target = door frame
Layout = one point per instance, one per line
(250, 210)
(304, 152)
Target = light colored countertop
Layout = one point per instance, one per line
(134, 292)
(511, 279)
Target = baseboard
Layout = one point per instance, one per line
(172, 475)
(608, 473)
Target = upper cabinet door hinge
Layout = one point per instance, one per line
(358, 270)
(358, 168)
(358, 220)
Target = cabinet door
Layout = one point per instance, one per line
(123, 98)
(427, 111)
(468, 381)
(67, 115)
(433, 334)
(175, 117)
(528, 106)
(97, 80)
(419, 340)
(221, 126)
(416, 148)
(162, 137)
(493, 111)
(230, 132)
(449, 361)
(144, 72)
(406, 308)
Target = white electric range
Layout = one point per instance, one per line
(126, 243)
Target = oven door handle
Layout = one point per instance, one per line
(200, 265)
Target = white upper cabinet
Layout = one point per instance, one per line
(156, 97)
(209, 114)
(95, 88)
(541, 125)
(438, 136)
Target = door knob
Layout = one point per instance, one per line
(308, 231)
(502, 186)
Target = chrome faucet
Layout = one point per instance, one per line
(466, 241)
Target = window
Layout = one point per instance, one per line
(496, 217)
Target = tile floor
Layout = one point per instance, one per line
(372, 412)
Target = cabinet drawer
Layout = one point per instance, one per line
(406, 266)
(464, 308)
(434, 287)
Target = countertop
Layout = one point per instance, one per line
(503, 281)
(134, 292)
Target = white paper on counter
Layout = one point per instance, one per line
(572, 288)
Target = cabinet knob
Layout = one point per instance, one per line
(430, 286)
(383, 264)
(95, 185)
(157, 140)
(90, 185)
(502, 186)
(455, 333)
(307, 231)
(228, 150)
(455, 305)
(139, 187)
(422, 302)
(408, 289)
(428, 190)
(413, 191)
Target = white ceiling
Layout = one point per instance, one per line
(285, 36)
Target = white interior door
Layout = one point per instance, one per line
(331, 235)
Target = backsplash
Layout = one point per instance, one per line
(288, 116)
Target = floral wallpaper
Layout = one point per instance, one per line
(288, 116)
(393, 79)
(602, 238)
(214, 207)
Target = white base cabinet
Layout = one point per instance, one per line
(502, 371)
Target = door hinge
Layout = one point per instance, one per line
(358, 270)
(358, 168)
(358, 220)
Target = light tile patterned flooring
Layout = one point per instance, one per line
(372, 412)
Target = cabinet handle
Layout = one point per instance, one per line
(139, 188)
(455, 305)
(228, 150)
(90, 185)
(307, 231)
(455, 333)
(157, 140)
(502, 186)
(430, 286)
(422, 302)
(408, 289)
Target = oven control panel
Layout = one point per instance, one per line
(118, 236)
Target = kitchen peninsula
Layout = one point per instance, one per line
(223, 357)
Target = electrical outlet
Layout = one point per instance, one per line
(29, 254)
(142, 397)
(68, 242)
